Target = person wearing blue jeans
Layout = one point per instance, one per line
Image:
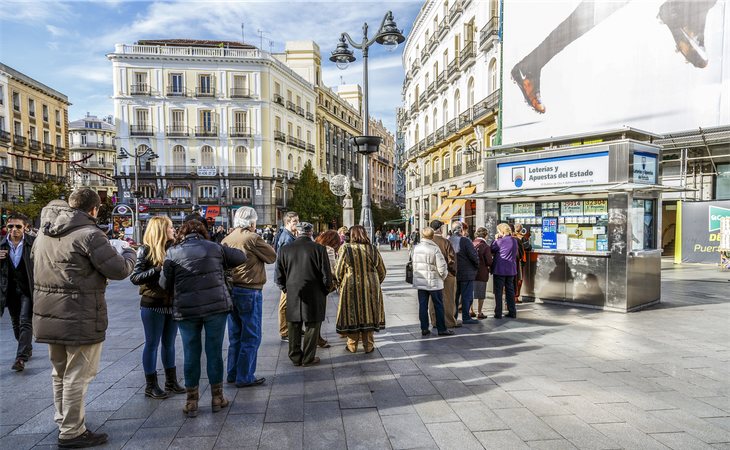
(190, 331)
(158, 328)
(244, 336)
(467, 267)
(437, 297)
(248, 279)
(465, 292)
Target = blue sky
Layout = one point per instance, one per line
(63, 44)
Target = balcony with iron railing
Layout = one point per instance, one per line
(176, 91)
(140, 89)
(7, 171)
(433, 43)
(439, 134)
(290, 106)
(467, 57)
(141, 130)
(452, 126)
(489, 34)
(452, 70)
(240, 131)
(444, 27)
(205, 91)
(415, 66)
(471, 166)
(426, 180)
(414, 108)
(441, 81)
(4, 136)
(206, 131)
(422, 100)
(279, 99)
(431, 91)
(60, 152)
(300, 111)
(424, 54)
(489, 104)
(240, 170)
(455, 11)
(19, 140)
(430, 140)
(457, 170)
(436, 177)
(445, 174)
(22, 174)
(310, 116)
(177, 130)
(35, 146)
(240, 92)
(465, 118)
(310, 148)
(48, 148)
(98, 165)
(37, 177)
(279, 136)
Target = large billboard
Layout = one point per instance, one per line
(698, 231)
(581, 66)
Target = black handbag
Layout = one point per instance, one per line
(409, 271)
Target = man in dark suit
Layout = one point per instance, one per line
(303, 273)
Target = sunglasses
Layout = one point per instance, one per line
(20, 227)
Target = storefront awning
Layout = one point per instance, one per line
(575, 190)
(444, 206)
(458, 203)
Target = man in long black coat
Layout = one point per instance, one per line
(303, 273)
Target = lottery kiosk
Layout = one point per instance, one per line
(591, 212)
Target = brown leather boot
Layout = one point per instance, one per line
(217, 400)
(191, 404)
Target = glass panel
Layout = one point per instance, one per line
(643, 225)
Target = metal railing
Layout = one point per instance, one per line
(48, 148)
(176, 91)
(436, 177)
(489, 33)
(310, 148)
(140, 89)
(467, 54)
(208, 130)
(4, 136)
(60, 151)
(279, 136)
(99, 145)
(240, 93)
(457, 170)
(141, 130)
(290, 106)
(279, 99)
(5, 170)
(34, 145)
(455, 11)
(20, 140)
(238, 131)
(205, 91)
(177, 130)
(426, 179)
(310, 116)
(300, 111)
(445, 174)
(471, 166)
(22, 174)
(453, 67)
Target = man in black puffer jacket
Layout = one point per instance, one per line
(194, 271)
(467, 266)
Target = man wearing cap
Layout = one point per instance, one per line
(450, 282)
(303, 273)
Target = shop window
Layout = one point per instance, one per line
(723, 182)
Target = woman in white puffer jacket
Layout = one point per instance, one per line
(429, 272)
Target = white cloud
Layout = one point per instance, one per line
(56, 31)
(98, 74)
(34, 12)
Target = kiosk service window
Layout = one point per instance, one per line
(570, 225)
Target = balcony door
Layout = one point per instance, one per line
(205, 85)
(207, 157)
(240, 121)
(142, 118)
(241, 156)
(206, 120)
(178, 156)
(240, 85)
(178, 120)
(176, 83)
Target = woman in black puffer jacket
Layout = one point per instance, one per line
(194, 271)
(156, 308)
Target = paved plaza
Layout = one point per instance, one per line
(556, 377)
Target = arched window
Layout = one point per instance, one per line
(290, 162)
(457, 104)
(434, 118)
(436, 166)
(470, 93)
(445, 112)
(425, 126)
(241, 156)
(447, 161)
(492, 75)
(178, 156)
(148, 191)
(416, 136)
(299, 164)
(145, 163)
(415, 99)
(207, 158)
(278, 159)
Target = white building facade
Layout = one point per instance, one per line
(450, 103)
(92, 143)
(230, 125)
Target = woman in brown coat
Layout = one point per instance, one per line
(360, 271)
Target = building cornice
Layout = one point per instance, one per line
(417, 24)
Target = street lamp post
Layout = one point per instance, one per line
(389, 36)
(136, 155)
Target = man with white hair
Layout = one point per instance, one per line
(244, 321)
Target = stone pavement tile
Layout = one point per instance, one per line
(355, 396)
(471, 376)
(722, 422)
(693, 406)
(720, 402)
(252, 400)
(320, 391)
(323, 427)
(285, 409)
(453, 435)
(453, 391)
(135, 379)
(364, 429)
(539, 404)
(390, 399)
(137, 407)
(500, 440)
(151, 438)
(695, 426)
(196, 442)
(241, 431)
(591, 392)
(680, 441)
(527, 425)
(580, 433)
(688, 386)
(415, 385)
(643, 400)
(206, 424)
(111, 400)
(403, 367)
(266, 363)
(319, 373)
(168, 414)
(640, 419)
(494, 397)
(723, 446)
(41, 423)
(550, 444)
(434, 369)
(433, 409)
(408, 431)
(6, 429)
(349, 374)
(119, 431)
(477, 417)
(21, 410)
(21, 441)
(511, 382)
(628, 437)
(588, 412)
(379, 366)
(288, 384)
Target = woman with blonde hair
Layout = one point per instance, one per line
(156, 307)
(360, 271)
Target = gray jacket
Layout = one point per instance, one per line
(72, 260)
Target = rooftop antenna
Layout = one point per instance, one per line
(243, 34)
(261, 38)
(271, 46)
(342, 80)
